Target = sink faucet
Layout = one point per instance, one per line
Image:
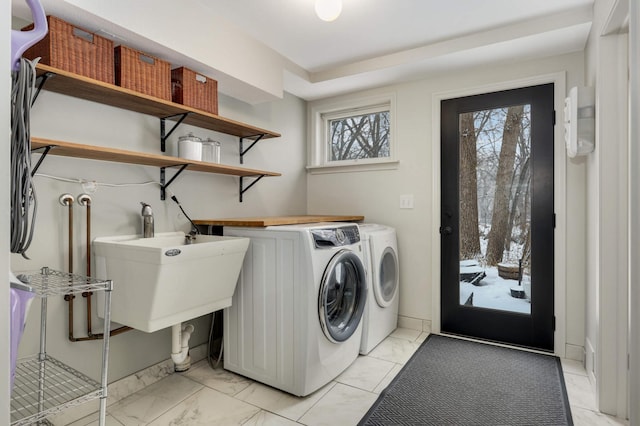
(147, 220)
(189, 238)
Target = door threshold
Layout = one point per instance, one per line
(496, 343)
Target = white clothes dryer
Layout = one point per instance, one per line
(381, 259)
(295, 318)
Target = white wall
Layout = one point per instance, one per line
(5, 149)
(607, 217)
(375, 194)
(116, 211)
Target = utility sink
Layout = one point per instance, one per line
(161, 281)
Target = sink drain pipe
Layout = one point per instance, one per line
(180, 336)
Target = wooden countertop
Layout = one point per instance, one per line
(276, 220)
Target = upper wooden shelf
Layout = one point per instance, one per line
(97, 91)
(92, 152)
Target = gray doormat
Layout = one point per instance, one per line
(451, 381)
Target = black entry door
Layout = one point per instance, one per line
(497, 216)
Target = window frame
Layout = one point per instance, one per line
(319, 141)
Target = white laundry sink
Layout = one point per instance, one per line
(161, 281)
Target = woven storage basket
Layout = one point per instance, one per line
(142, 73)
(194, 90)
(74, 49)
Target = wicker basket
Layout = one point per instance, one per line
(194, 90)
(142, 73)
(74, 49)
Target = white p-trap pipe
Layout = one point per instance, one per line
(180, 336)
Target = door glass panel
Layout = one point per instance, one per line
(495, 209)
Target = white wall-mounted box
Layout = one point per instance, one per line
(579, 121)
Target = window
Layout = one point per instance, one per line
(353, 134)
(356, 137)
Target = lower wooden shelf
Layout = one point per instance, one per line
(92, 152)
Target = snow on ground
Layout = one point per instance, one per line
(494, 292)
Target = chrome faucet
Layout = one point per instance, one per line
(147, 220)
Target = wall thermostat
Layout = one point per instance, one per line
(579, 121)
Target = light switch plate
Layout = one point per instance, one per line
(406, 201)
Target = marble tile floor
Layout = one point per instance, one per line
(203, 396)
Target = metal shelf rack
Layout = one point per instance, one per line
(44, 386)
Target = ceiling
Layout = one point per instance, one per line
(369, 29)
(380, 42)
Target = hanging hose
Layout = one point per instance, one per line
(23, 196)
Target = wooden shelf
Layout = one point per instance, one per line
(78, 86)
(59, 81)
(92, 152)
(276, 220)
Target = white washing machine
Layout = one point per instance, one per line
(381, 259)
(295, 319)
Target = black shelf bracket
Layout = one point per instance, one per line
(164, 135)
(163, 185)
(40, 81)
(47, 148)
(243, 189)
(255, 140)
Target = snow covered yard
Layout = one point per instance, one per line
(494, 292)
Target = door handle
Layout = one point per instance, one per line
(447, 230)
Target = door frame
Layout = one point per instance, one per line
(559, 169)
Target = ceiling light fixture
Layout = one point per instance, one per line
(328, 10)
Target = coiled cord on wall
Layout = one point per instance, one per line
(23, 196)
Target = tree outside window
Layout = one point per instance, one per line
(358, 137)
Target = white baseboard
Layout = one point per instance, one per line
(574, 352)
(414, 323)
(590, 359)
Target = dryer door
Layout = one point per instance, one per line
(342, 297)
(385, 283)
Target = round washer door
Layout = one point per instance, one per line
(342, 297)
(385, 285)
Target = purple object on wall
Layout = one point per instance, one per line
(19, 305)
(22, 40)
